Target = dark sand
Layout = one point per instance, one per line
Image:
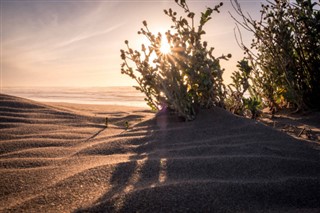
(61, 158)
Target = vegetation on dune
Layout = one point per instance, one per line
(285, 53)
(281, 67)
(235, 99)
(186, 78)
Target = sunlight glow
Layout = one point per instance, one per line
(165, 47)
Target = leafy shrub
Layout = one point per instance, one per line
(252, 105)
(286, 52)
(188, 77)
(236, 100)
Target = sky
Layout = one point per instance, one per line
(76, 43)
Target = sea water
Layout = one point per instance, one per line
(126, 96)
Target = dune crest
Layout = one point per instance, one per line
(61, 158)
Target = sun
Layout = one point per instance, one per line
(165, 47)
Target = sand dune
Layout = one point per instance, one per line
(62, 158)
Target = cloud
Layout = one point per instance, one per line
(88, 35)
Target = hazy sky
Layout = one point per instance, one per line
(77, 43)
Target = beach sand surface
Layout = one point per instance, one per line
(59, 157)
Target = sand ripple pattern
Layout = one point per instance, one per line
(61, 158)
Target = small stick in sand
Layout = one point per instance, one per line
(126, 125)
(107, 119)
(300, 133)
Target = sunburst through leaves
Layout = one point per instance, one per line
(165, 47)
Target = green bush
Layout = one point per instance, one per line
(185, 79)
(286, 52)
(242, 97)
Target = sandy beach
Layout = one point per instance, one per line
(59, 157)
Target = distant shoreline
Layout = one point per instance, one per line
(115, 95)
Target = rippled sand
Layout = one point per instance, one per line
(62, 158)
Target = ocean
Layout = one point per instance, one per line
(126, 96)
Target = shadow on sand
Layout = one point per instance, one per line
(218, 163)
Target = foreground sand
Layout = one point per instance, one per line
(62, 158)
